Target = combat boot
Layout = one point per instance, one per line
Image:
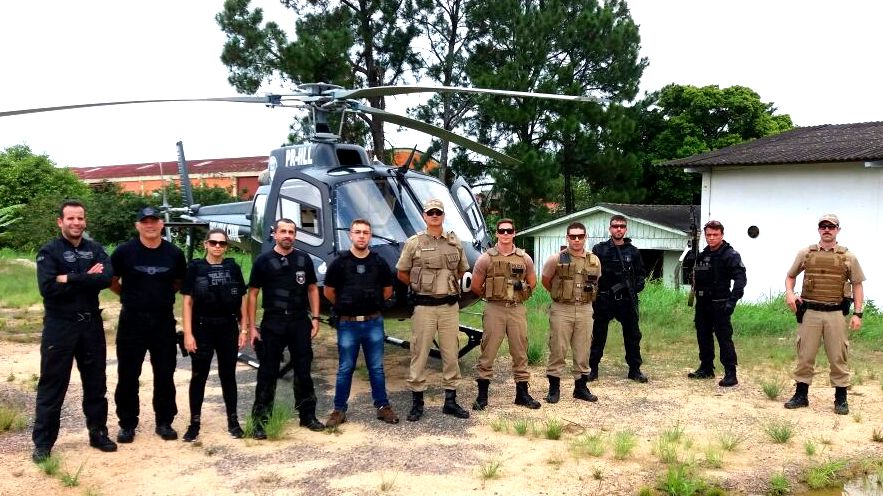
(451, 407)
(98, 439)
(703, 372)
(233, 426)
(554, 389)
(481, 399)
(799, 400)
(192, 429)
(581, 392)
(729, 379)
(841, 407)
(416, 406)
(593, 373)
(523, 397)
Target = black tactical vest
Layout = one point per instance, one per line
(287, 288)
(362, 289)
(218, 289)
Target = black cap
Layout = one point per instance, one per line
(148, 212)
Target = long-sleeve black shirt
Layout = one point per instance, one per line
(80, 292)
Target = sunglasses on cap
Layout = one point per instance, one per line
(576, 237)
(505, 230)
(435, 213)
(217, 242)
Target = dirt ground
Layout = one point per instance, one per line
(441, 455)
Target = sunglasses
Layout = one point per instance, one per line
(504, 230)
(828, 227)
(216, 242)
(576, 237)
(617, 226)
(435, 213)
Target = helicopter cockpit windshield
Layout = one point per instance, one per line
(393, 214)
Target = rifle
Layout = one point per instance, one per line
(626, 280)
(694, 251)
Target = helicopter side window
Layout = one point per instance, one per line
(473, 215)
(375, 201)
(299, 201)
(259, 207)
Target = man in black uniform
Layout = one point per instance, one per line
(622, 278)
(718, 265)
(71, 271)
(291, 318)
(147, 272)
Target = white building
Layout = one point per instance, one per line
(661, 232)
(769, 194)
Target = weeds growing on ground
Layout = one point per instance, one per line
(780, 431)
(809, 446)
(666, 450)
(491, 469)
(500, 424)
(680, 481)
(673, 434)
(624, 443)
(50, 465)
(281, 414)
(554, 428)
(72, 480)
(588, 444)
(779, 485)
(772, 388)
(877, 435)
(730, 439)
(825, 474)
(387, 483)
(714, 458)
(12, 418)
(522, 425)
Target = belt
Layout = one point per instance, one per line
(76, 316)
(429, 301)
(823, 307)
(359, 318)
(278, 312)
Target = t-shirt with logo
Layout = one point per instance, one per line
(148, 275)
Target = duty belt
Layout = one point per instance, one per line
(429, 301)
(76, 316)
(280, 312)
(823, 307)
(359, 318)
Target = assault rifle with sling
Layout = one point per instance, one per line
(694, 252)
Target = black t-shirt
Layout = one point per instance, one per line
(217, 289)
(148, 275)
(283, 279)
(358, 283)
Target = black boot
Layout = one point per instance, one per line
(451, 407)
(703, 372)
(799, 400)
(192, 431)
(98, 439)
(307, 412)
(593, 373)
(416, 406)
(729, 379)
(637, 376)
(841, 407)
(523, 398)
(233, 426)
(581, 392)
(481, 399)
(554, 389)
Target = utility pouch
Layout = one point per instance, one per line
(845, 305)
(801, 309)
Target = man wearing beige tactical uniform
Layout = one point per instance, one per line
(505, 277)
(572, 280)
(432, 264)
(828, 270)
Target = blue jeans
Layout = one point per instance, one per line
(368, 335)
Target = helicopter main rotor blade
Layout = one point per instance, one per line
(406, 89)
(268, 100)
(437, 132)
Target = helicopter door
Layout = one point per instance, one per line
(462, 194)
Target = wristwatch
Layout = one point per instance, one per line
(315, 318)
(858, 314)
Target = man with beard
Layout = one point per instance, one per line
(719, 280)
(291, 319)
(622, 279)
(828, 271)
(71, 271)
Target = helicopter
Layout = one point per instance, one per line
(323, 185)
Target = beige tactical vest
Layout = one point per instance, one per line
(503, 274)
(576, 278)
(825, 275)
(434, 265)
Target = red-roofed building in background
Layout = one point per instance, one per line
(238, 175)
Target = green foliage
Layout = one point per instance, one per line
(825, 474)
(682, 120)
(12, 417)
(780, 431)
(779, 485)
(588, 444)
(554, 428)
(50, 466)
(772, 388)
(624, 442)
(111, 213)
(491, 469)
(680, 481)
(72, 479)
(279, 418)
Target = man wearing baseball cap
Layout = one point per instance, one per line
(831, 274)
(147, 272)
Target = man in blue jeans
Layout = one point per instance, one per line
(357, 283)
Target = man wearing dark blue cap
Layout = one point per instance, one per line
(147, 272)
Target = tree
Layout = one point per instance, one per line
(354, 44)
(577, 47)
(682, 120)
(38, 187)
(111, 212)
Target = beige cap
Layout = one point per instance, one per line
(830, 218)
(433, 204)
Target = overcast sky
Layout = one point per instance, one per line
(815, 60)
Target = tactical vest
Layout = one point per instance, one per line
(825, 275)
(506, 277)
(576, 279)
(434, 269)
(711, 274)
(288, 291)
(216, 291)
(362, 286)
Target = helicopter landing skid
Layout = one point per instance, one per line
(473, 335)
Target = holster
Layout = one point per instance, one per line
(179, 337)
(801, 309)
(845, 305)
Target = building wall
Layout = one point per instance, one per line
(785, 203)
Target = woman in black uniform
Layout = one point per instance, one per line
(214, 314)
